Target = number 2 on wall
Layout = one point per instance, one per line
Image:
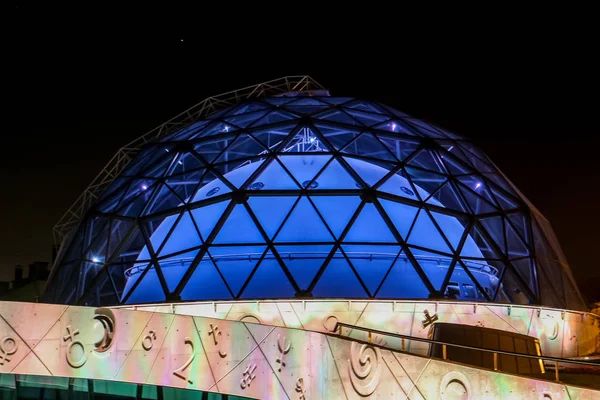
(179, 371)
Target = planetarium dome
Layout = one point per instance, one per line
(299, 194)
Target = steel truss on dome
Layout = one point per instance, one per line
(306, 195)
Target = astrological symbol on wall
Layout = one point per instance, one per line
(148, 340)
(283, 349)
(216, 332)
(71, 336)
(106, 318)
(5, 352)
(429, 319)
(179, 371)
(300, 389)
(248, 376)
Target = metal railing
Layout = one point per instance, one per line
(339, 325)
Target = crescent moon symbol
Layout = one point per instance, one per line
(105, 319)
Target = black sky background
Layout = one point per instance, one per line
(77, 84)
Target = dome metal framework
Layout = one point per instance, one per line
(300, 195)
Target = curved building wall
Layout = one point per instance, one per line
(318, 197)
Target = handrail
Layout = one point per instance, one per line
(556, 360)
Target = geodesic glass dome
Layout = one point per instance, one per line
(304, 195)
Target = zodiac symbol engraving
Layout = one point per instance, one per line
(178, 372)
(283, 349)
(148, 340)
(248, 376)
(216, 332)
(364, 368)
(71, 336)
(300, 389)
(429, 319)
(106, 318)
(4, 352)
(555, 328)
(455, 384)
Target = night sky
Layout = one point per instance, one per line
(79, 84)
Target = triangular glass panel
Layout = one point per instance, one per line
(453, 165)
(102, 294)
(425, 234)
(159, 168)
(505, 201)
(211, 148)
(211, 186)
(367, 145)
(337, 115)
(236, 263)
(269, 281)
(206, 284)
(365, 106)
(271, 211)
(339, 280)
(304, 168)
(247, 106)
(245, 119)
(402, 215)
(174, 267)
(184, 185)
(495, 228)
(277, 101)
(147, 156)
(274, 117)
(240, 174)
(304, 262)
(185, 163)
(187, 132)
(398, 185)
(166, 199)
(118, 233)
(477, 246)
(520, 222)
(399, 147)
(429, 160)
(369, 227)
(239, 221)
(435, 266)
(137, 188)
(367, 118)
(157, 230)
(184, 236)
(306, 106)
(448, 196)
(338, 136)
(215, 128)
(136, 248)
(402, 282)
(336, 210)
(479, 160)
(117, 274)
(206, 217)
(516, 248)
(500, 181)
(479, 186)
(396, 126)
(334, 176)
(550, 295)
(370, 172)
(371, 262)
(304, 225)
(573, 298)
(461, 286)
(424, 128)
(476, 203)
(108, 203)
(243, 147)
(452, 227)
(274, 177)
(512, 291)
(427, 183)
(148, 290)
(525, 268)
(305, 140)
(271, 138)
